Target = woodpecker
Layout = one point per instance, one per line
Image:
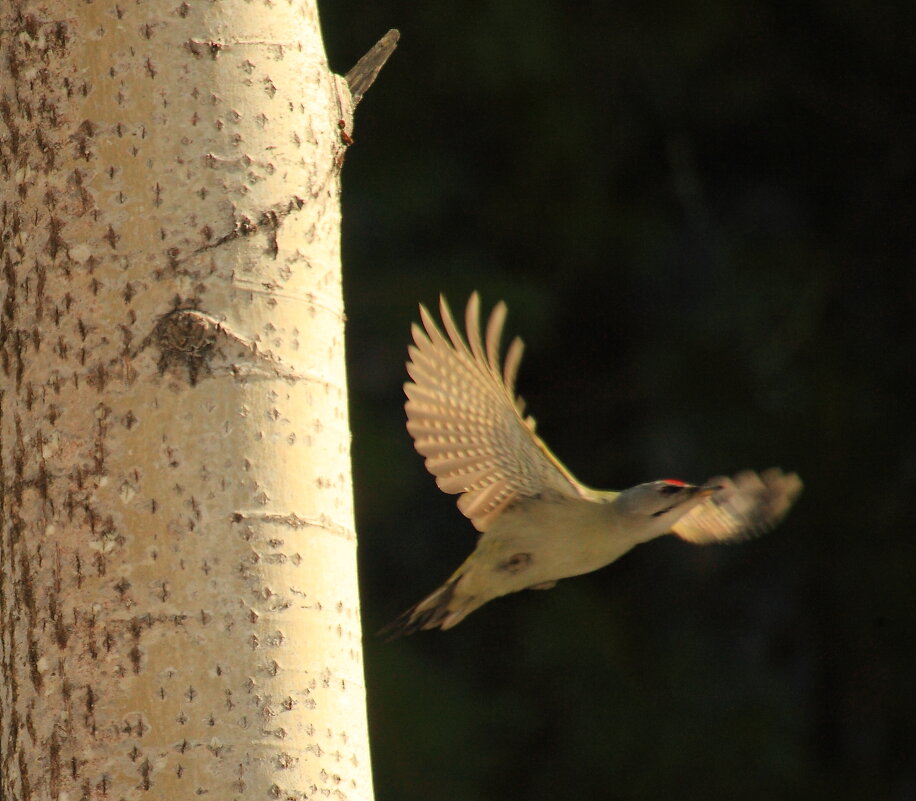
(537, 522)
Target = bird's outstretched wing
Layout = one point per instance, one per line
(465, 419)
(745, 506)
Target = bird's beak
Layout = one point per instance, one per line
(706, 490)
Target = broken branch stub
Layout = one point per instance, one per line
(366, 70)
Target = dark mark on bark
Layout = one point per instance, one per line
(135, 654)
(82, 138)
(54, 765)
(55, 240)
(28, 601)
(24, 781)
(200, 48)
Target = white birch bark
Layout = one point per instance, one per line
(178, 599)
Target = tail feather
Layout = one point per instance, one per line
(431, 612)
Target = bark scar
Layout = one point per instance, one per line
(268, 222)
(185, 337)
(194, 340)
(190, 338)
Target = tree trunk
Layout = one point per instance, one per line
(178, 596)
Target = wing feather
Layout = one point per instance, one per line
(744, 507)
(510, 371)
(465, 419)
(471, 325)
(494, 335)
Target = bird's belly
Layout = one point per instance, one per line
(540, 541)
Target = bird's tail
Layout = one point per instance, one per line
(441, 609)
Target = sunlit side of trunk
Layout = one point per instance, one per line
(178, 599)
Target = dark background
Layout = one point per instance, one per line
(701, 216)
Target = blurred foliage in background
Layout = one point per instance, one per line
(701, 216)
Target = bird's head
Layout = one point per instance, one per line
(662, 502)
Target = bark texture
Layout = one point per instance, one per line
(178, 599)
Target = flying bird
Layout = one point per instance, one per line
(538, 523)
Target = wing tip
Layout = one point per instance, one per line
(747, 506)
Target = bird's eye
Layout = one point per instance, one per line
(670, 489)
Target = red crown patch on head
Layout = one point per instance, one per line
(676, 481)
